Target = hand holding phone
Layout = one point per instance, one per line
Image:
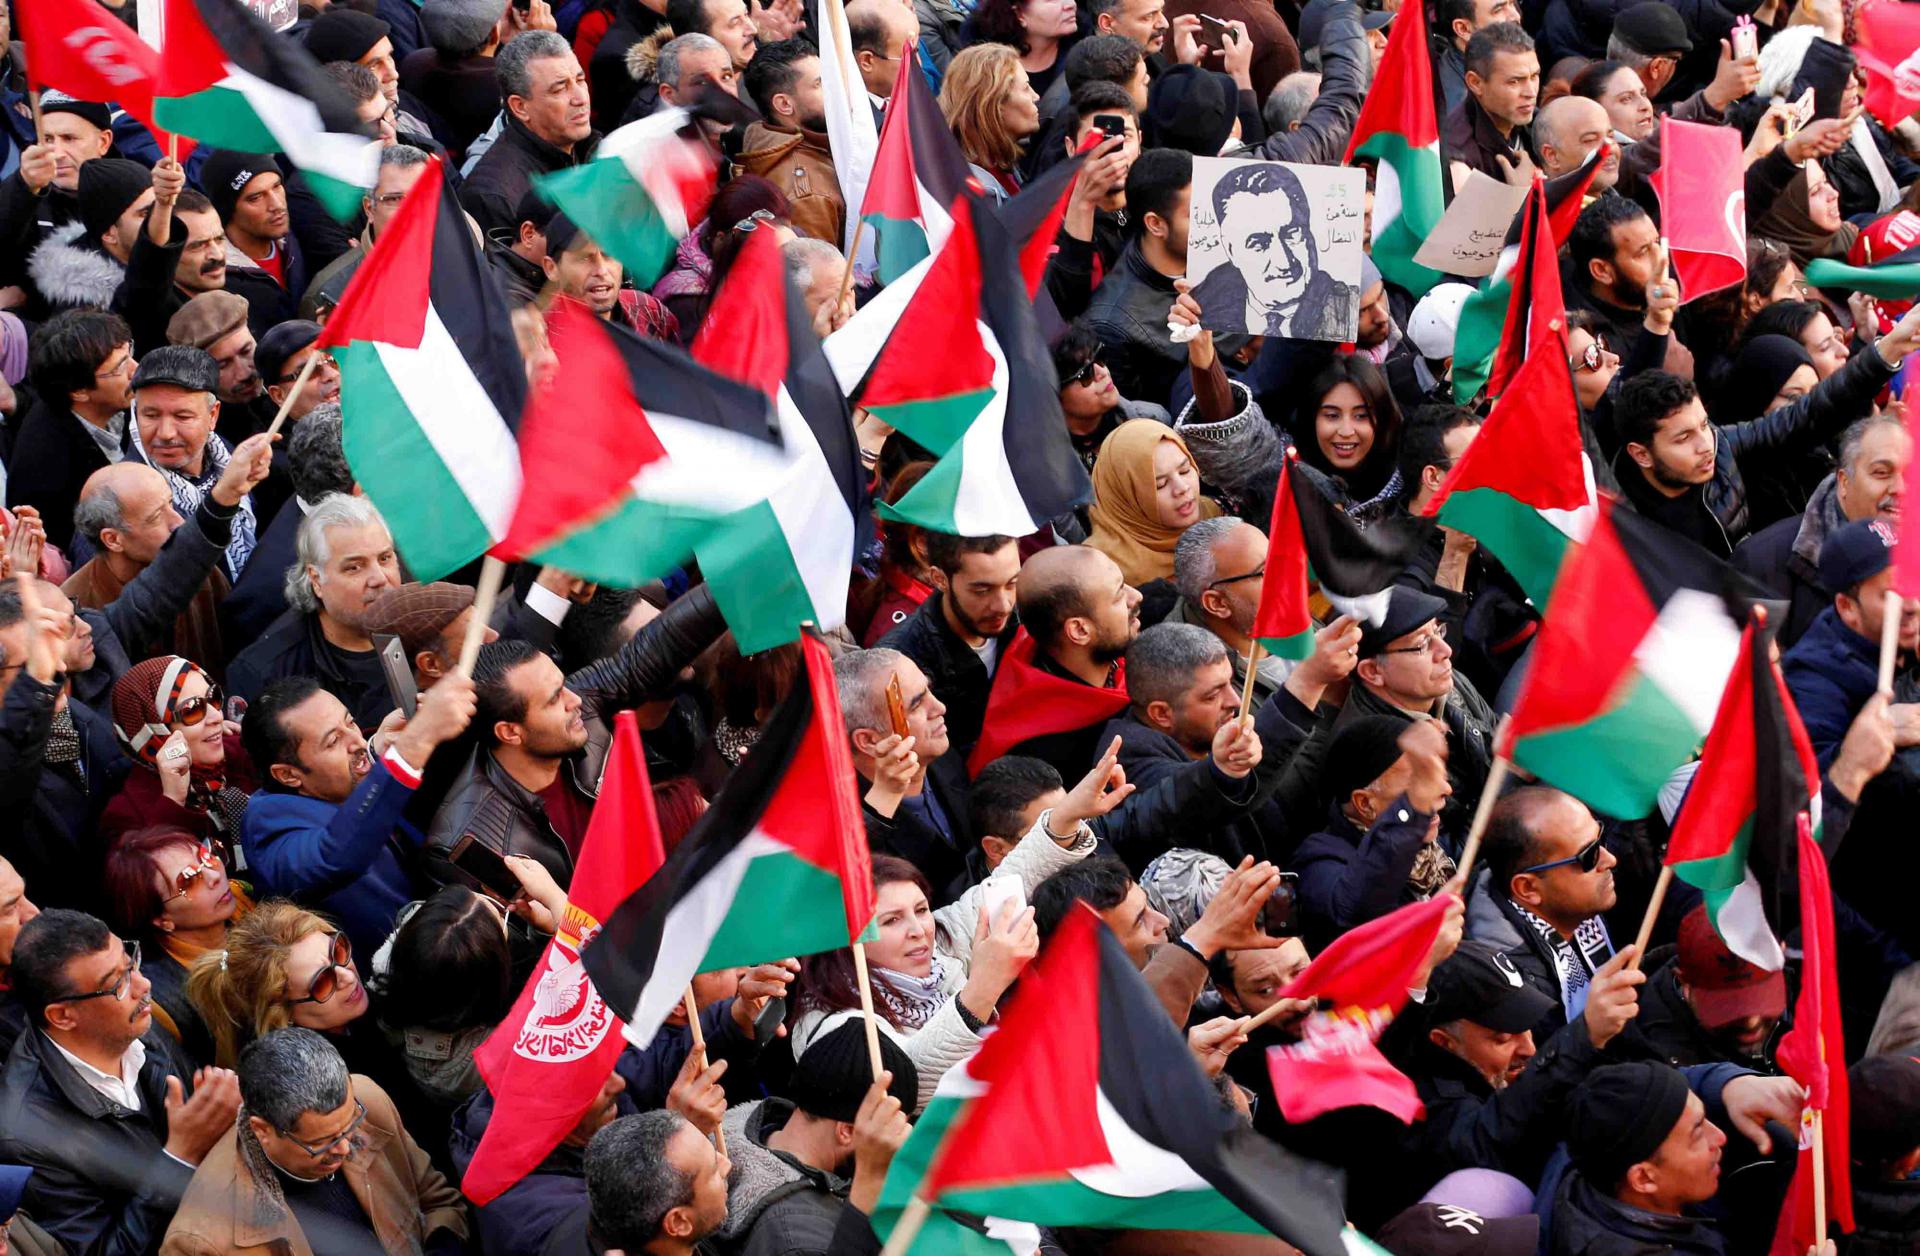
(1746, 39)
(486, 866)
(896, 707)
(1213, 33)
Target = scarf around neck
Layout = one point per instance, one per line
(912, 1001)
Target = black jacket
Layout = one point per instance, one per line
(1493, 919)
(1129, 315)
(1886, 1218)
(1254, 826)
(268, 303)
(613, 86)
(1348, 877)
(958, 677)
(502, 815)
(294, 645)
(1468, 135)
(1469, 722)
(779, 1206)
(52, 458)
(1770, 559)
(1763, 447)
(50, 815)
(259, 596)
(1587, 1223)
(940, 856)
(1667, 1030)
(1345, 67)
(148, 298)
(503, 175)
(102, 1185)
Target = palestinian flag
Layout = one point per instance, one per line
(1734, 837)
(1310, 536)
(431, 384)
(1640, 633)
(987, 405)
(1026, 702)
(1895, 277)
(785, 560)
(229, 81)
(1399, 128)
(1524, 487)
(1032, 216)
(917, 173)
(632, 452)
(1518, 309)
(645, 189)
(1087, 1109)
(852, 136)
(1360, 983)
(1814, 1053)
(778, 866)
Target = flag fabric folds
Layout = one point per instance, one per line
(778, 866)
(1702, 188)
(631, 453)
(546, 1062)
(1734, 836)
(85, 51)
(431, 384)
(1399, 128)
(1091, 1111)
(785, 560)
(1886, 33)
(1640, 634)
(1895, 277)
(1520, 307)
(1026, 702)
(852, 135)
(1362, 981)
(228, 80)
(918, 172)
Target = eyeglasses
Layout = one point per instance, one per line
(1588, 858)
(1434, 638)
(317, 1150)
(327, 980)
(389, 200)
(1259, 573)
(125, 366)
(118, 990)
(752, 221)
(1589, 358)
(184, 879)
(1085, 374)
(326, 360)
(189, 712)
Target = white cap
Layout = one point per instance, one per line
(1434, 320)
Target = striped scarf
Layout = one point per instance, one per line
(189, 493)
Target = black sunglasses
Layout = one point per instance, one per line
(1588, 858)
(1085, 374)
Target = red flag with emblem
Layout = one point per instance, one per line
(1701, 184)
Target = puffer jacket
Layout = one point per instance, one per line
(1495, 921)
(800, 164)
(501, 814)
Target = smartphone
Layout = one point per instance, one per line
(767, 1024)
(896, 707)
(486, 866)
(997, 892)
(1802, 112)
(1213, 33)
(393, 662)
(1746, 39)
(1111, 125)
(1277, 913)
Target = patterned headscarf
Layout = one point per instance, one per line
(144, 702)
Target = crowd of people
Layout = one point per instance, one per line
(245, 961)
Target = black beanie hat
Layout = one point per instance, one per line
(1620, 1115)
(99, 115)
(1361, 752)
(107, 186)
(831, 1077)
(1191, 108)
(341, 34)
(227, 171)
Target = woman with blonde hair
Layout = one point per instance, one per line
(993, 111)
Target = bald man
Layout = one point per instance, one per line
(1566, 131)
(1082, 615)
(153, 585)
(879, 30)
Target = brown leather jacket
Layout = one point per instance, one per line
(800, 164)
(226, 1213)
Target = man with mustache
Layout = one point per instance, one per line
(1274, 270)
(264, 261)
(97, 1099)
(306, 1120)
(175, 408)
(182, 253)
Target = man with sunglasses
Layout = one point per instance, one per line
(1549, 877)
(95, 1100)
(321, 1162)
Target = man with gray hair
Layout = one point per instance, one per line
(818, 270)
(915, 801)
(1287, 104)
(276, 1181)
(690, 62)
(401, 166)
(174, 411)
(548, 127)
(344, 559)
(317, 466)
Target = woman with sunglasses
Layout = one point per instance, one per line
(189, 771)
(167, 889)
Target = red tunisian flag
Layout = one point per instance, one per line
(1364, 975)
(1887, 42)
(546, 1062)
(1702, 188)
(1814, 1053)
(1906, 549)
(83, 50)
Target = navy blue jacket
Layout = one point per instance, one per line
(1348, 877)
(1831, 672)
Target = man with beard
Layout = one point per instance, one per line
(1613, 256)
(182, 253)
(530, 785)
(1250, 982)
(264, 261)
(958, 633)
(1273, 264)
(1706, 1005)
(790, 146)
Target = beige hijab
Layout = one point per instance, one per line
(1126, 526)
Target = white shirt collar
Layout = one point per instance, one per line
(124, 1089)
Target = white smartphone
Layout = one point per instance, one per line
(996, 892)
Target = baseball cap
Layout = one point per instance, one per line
(1450, 1230)
(1436, 319)
(1855, 552)
(1407, 609)
(1721, 986)
(1479, 983)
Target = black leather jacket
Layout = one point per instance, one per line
(1129, 315)
(501, 813)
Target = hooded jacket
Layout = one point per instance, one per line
(73, 272)
(800, 164)
(776, 1205)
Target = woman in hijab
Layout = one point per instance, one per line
(1770, 373)
(189, 771)
(1146, 492)
(1806, 218)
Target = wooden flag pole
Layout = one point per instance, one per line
(491, 572)
(1660, 887)
(1819, 1179)
(866, 1008)
(853, 252)
(1889, 640)
(1246, 692)
(33, 102)
(907, 1229)
(700, 1049)
(173, 149)
(299, 382)
(1496, 779)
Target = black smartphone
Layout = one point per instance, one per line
(1112, 125)
(1213, 33)
(400, 684)
(1277, 915)
(485, 865)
